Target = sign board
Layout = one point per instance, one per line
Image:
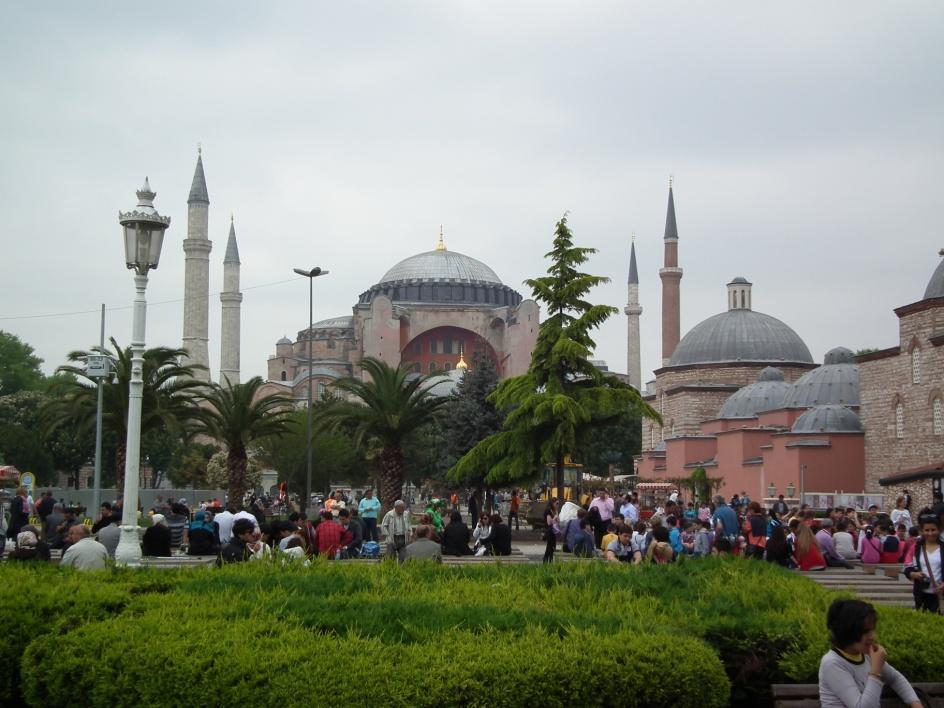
(9, 473)
(28, 479)
(97, 366)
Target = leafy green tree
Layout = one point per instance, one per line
(334, 454)
(614, 443)
(389, 408)
(551, 407)
(238, 417)
(169, 398)
(19, 366)
(20, 439)
(188, 465)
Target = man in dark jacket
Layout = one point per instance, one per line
(499, 540)
(352, 540)
(237, 550)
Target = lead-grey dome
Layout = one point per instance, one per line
(828, 419)
(740, 335)
(764, 395)
(343, 322)
(441, 265)
(284, 340)
(936, 284)
(830, 384)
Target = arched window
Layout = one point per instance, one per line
(899, 421)
(283, 376)
(447, 366)
(417, 367)
(432, 367)
(321, 389)
(652, 436)
(916, 365)
(937, 416)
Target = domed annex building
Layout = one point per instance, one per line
(429, 312)
(903, 402)
(740, 395)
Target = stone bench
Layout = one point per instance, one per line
(807, 695)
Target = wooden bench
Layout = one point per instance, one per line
(807, 695)
(891, 570)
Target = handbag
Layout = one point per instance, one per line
(938, 589)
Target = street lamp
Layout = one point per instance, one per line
(311, 275)
(143, 235)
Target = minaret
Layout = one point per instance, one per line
(633, 310)
(671, 274)
(197, 247)
(231, 299)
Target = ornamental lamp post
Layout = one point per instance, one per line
(311, 275)
(143, 236)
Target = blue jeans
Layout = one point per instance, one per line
(370, 527)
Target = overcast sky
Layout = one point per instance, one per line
(806, 141)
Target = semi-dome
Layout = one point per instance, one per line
(828, 419)
(836, 382)
(764, 395)
(284, 340)
(439, 266)
(936, 284)
(740, 335)
(343, 322)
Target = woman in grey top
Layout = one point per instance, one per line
(854, 672)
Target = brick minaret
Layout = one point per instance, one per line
(633, 310)
(230, 299)
(671, 276)
(197, 247)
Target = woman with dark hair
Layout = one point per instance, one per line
(854, 671)
(202, 537)
(777, 550)
(499, 540)
(756, 527)
(926, 570)
(553, 528)
(456, 535)
(870, 547)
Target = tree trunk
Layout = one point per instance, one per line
(559, 477)
(391, 476)
(120, 455)
(236, 464)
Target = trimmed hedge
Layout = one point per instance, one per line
(701, 632)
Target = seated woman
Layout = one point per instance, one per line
(807, 555)
(778, 549)
(456, 535)
(854, 671)
(870, 547)
(29, 547)
(156, 541)
(481, 533)
(427, 520)
(202, 537)
(891, 546)
(843, 541)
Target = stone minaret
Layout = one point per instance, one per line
(633, 310)
(197, 247)
(231, 299)
(671, 276)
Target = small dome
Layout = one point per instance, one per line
(936, 284)
(771, 373)
(284, 340)
(740, 335)
(441, 265)
(828, 419)
(765, 395)
(740, 280)
(836, 382)
(839, 355)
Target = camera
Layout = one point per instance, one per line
(924, 583)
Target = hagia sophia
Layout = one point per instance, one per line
(739, 395)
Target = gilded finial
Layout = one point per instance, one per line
(634, 237)
(441, 246)
(670, 181)
(462, 365)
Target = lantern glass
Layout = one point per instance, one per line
(143, 242)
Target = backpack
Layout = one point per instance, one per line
(370, 549)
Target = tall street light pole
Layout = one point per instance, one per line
(311, 275)
(143, 235)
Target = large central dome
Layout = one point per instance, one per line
(440, 266)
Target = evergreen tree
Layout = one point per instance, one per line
(562, 396)
(469, 417)
(19, 366)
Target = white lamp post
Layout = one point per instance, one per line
(144, 235)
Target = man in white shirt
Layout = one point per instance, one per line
(224, 522)
(243, 514)
(85, 553)
(629, 511)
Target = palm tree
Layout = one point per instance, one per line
(169, 398)
(236, 417)
(390, 408)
